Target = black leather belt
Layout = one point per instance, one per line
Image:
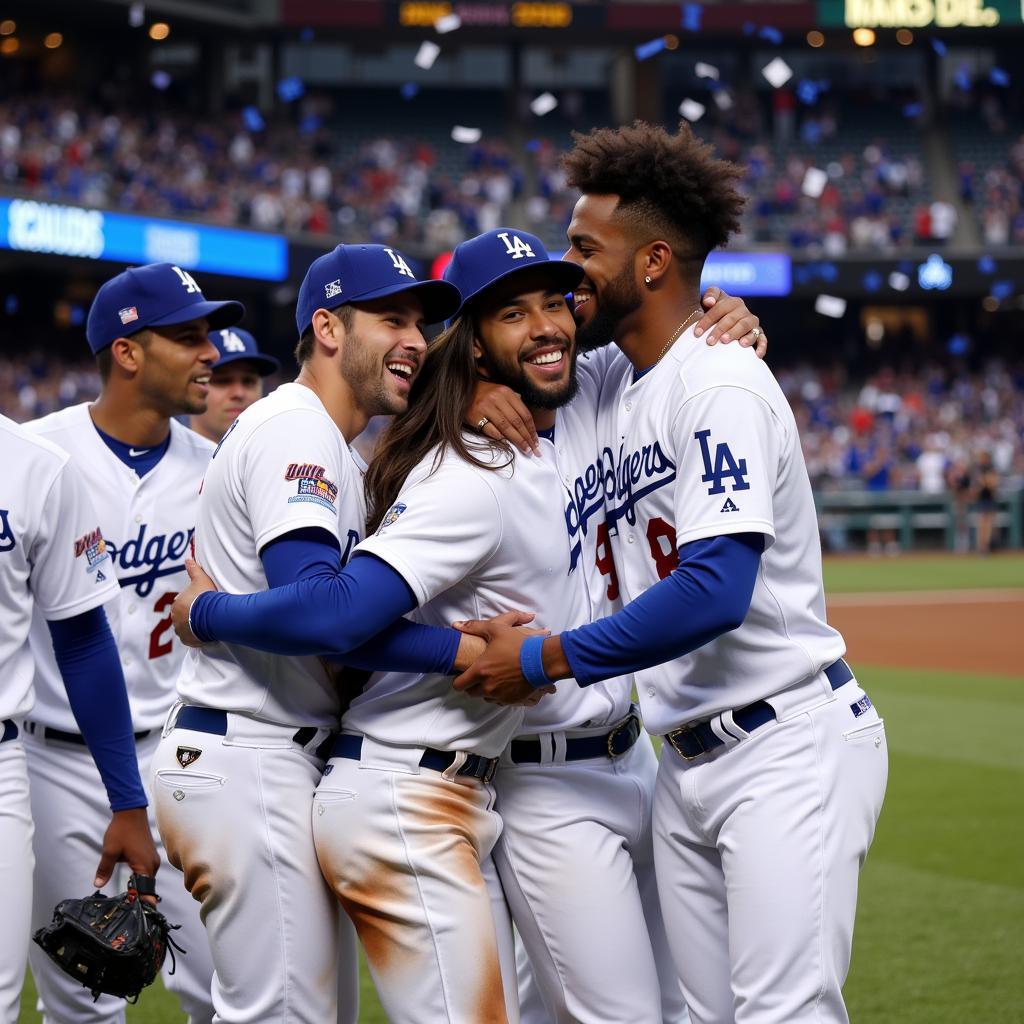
(580, 748)
(215, 722)
(48, 733)
(691, 741)
(475, 766)
(10, 731)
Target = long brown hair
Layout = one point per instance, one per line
(438, 403)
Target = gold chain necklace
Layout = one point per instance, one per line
(675, 335)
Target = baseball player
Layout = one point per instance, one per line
(283, 500)
(236, 381)
(148, 329)
(775, 763)
(53, 557)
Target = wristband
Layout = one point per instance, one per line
(531, 662)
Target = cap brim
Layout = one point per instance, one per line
(440, 299)
(265, 365)
(218, 314)
(564, 276)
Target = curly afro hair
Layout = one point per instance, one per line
(671, 187)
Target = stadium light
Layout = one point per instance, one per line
(159, 30)
(53, 40)
(9, 45)
(904, 36)
(7, 27)
(815, 38)
(864, 36)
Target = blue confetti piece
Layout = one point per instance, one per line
(939, 47)
(912, 110)
(958, 345)
(310, 124)
(291, 89)
(306, 35)
(11, 305)
(1002, 289)
(76, 315)
(800, 275)
(962, 78)
(986, 265)
(253, 119)
(160, 80)
(807, 92)
(749, 28)
(872, 281)
(773, 35)
(691, 15)
(647, 50)
(997, 76)
(533, 145)
(829, 272)
(409, 90)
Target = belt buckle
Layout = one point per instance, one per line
(610, 738)
(676, 733)
(492, 766)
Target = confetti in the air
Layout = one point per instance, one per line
(460, 133)
(543, 104)
(773, 35)
(939, 47)
(426, 55)
(815, 180)
(160, 80)
(449, 23)
(706, 70)
(899, 282)
(997, 76)
(691, 16)
(777, 72)
(291, 89)
(253, 119)
(691, 109)
(722, 99)
(830, 305)
(136, 15)
(408, 90)
(647, 50)
(986, 265)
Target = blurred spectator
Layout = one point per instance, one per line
(987, 487)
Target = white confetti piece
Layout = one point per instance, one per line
(426, 55)
(467, 135)
(543, 104)
(830, 305)
(692, 110)
(815, 180)
(449, 23)
(706, 70)
(778, 72)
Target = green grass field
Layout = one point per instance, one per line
(941, 915)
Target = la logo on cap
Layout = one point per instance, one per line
(515, 246)
(399, 263)
(232, 342)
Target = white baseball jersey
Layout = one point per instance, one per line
(51, 548)
(147, 524)
(471, 543)
(705, 444)
(284, 465)
(607, 702)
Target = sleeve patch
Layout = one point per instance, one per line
(392, 515)
(312, 485)
(94, 547)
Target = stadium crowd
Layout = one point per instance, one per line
(323, 170)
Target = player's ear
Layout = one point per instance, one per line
(127, 353)
(655, 258)
(328, 330)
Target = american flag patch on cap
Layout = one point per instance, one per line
(128, 314)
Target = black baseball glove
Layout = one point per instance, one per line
(112, 944)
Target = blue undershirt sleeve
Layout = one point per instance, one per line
(315, 606)
(91, 668)
(706, 595)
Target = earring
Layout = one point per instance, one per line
(647, 279)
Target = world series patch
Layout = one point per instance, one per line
(94, 547)
(312, 485)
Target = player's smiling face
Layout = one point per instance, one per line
(383, 352)
(609, 291)
(525, 340)
(174, 368)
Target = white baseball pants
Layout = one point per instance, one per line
(758, 847)
(237, 822)
(16, 861)
(407, 850)
(71, 814)
(574, 856)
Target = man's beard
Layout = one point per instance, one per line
(618, 299)
(362, 369)
(514, 376)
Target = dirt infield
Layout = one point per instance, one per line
(978, 631)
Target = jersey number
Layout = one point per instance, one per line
(605, 562)
(662, 538)
(158, 647)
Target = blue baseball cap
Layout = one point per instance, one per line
(156, 295)
(481, 262)
(358, 273)
(234, 344)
